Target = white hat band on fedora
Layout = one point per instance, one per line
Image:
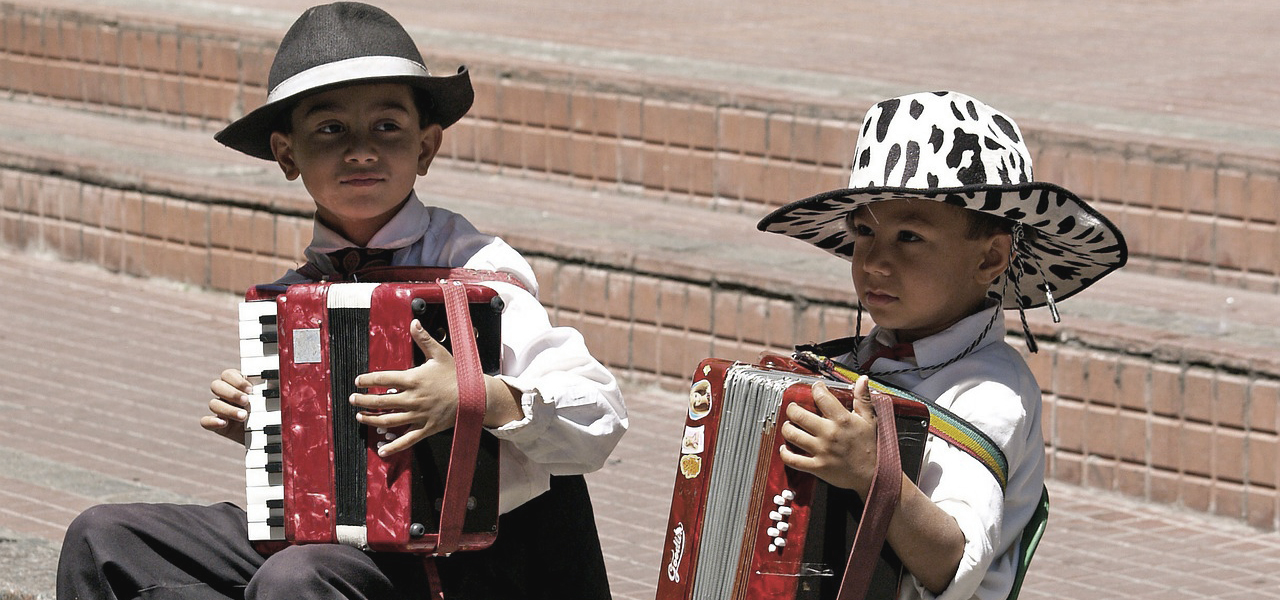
(363, 67)
(949, 147)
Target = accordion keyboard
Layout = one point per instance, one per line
(264, 478)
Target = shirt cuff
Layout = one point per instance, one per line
(538, 414)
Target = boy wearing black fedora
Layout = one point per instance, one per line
(354, 114)
(945, 229)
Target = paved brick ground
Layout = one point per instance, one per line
(103, 376)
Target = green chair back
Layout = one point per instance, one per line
(1031, 535)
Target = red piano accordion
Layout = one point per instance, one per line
(313, 474)
(744, 526)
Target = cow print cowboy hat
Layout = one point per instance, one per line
(948, 147)
(339, 44)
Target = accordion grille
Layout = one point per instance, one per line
(750, 410)
(349, 347)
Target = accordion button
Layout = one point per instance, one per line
(785, 510)
(773, 548)
(779, 500)
(779, 542)
(788, 495)
(783, 526)
(775, 515)
(773, 531)
(417, 530)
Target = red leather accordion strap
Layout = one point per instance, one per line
(470, 419)
(881, 501)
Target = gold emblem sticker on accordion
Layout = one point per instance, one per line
(700, 399)
(690, 466)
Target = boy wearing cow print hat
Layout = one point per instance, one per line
(945, 229)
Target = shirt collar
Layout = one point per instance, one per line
(949, 343)
(404, 229)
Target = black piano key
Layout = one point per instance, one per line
(272, 449)
(267, 320)
(274, 467)
(269, 374)
(275, 503)
(271, 429)
(268, 337)
(271, 393)
(275, 521)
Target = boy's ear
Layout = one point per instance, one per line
(283, 151)
(432, 137)
(995, 258)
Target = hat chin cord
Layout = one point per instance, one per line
(1016, 272)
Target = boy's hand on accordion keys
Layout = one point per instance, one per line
(230, 405)
(425, 398)
(836, 444)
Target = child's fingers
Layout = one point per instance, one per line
(228, 411)
(229, 394)
(393, 400)
(237, 380)
(802, 418)
(796, 436)
(795, 460)
(862, 399)
(401, 442)
(826, 402)
(431, 348)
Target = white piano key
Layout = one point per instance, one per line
(262, 493)
(261, 478)
(261, 532)
(250, 330)
(257, 457)
(253, 366)
(259, 513)
(250, 311)
(258, 403)
(257, 439)
(256, 348)
(258, 420)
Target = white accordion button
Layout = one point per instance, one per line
(783, 526)
(779, 542)
(788, 495)
(773, 531)
(779, 500)
(775, 515)
(785, 511)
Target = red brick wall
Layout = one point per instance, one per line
(1198, 433)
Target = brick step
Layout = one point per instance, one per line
(1196, 198)
(1162, 388)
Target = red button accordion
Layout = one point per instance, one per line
(313, 474)
(744, 526)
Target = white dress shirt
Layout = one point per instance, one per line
(993, 389)
(573, 409)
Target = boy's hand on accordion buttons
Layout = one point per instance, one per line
(836, 444)
(424, 398)
(230, 405)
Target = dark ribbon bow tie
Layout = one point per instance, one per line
(896, 352)
(351, 260)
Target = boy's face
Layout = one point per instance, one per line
(359, 149)
(915, 268)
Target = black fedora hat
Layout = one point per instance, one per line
(340, 44)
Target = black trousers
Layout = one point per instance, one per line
(547, 548)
